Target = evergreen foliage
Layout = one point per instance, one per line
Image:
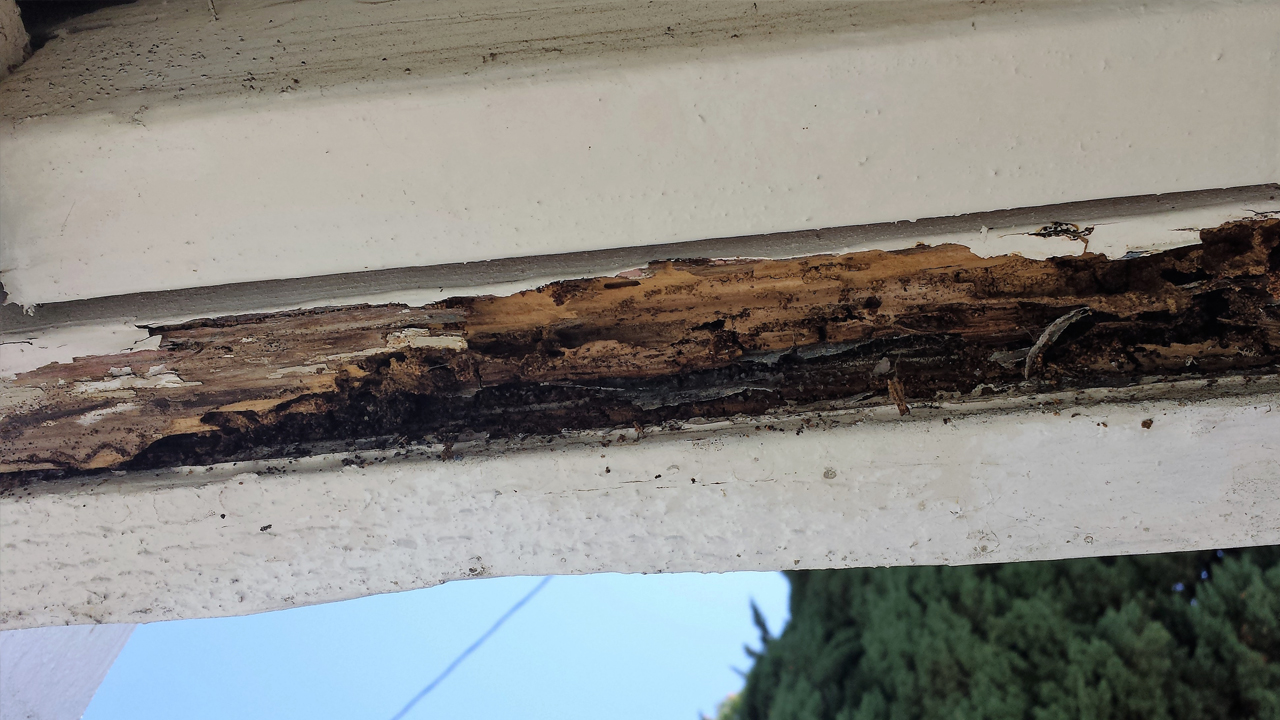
(1186, 636)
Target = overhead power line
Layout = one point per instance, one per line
(480, 641)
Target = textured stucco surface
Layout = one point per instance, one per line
(944, 485)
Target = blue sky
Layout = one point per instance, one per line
(616, 646)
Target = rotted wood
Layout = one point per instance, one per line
(675, 341)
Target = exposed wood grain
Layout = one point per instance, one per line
(678, 340)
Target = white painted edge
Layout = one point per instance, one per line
(1020, 110)
(52, 673)
(952, 483)
(1113, 236)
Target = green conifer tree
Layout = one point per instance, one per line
(1186, 636)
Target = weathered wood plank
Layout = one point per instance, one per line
(675, 341)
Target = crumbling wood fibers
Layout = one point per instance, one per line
(679, 340)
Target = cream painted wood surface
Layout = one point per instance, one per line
(185, 154)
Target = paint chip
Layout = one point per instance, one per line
(94, 416)
(422, 338)
(124, 384)
(299, 370)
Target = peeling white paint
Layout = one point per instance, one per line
(22, 352)
(315, 369)
(396, 340)
(956, 483)
(422, 338)
(94, 416)
(355, 355)
(124, 384)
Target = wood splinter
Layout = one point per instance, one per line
(898, 396)
(1049, 336)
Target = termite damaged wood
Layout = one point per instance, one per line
(674, 341)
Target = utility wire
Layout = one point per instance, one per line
(458, 660)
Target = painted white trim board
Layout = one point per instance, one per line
(1019, 109)
(52, 673)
